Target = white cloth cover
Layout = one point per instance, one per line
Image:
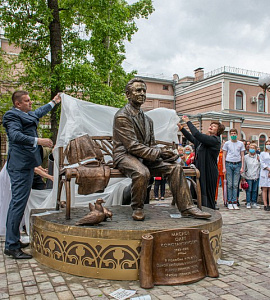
(5, 196)
(78, 118)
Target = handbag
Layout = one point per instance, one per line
(244, 185)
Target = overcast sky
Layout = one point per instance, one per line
(182, 35)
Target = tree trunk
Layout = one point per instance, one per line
(56, 57)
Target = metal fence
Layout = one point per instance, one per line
(234, 70)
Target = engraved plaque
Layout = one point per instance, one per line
(176, 256)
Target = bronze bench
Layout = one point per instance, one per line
(106, 146)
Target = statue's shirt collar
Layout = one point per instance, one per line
(133, 110)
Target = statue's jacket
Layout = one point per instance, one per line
(133, 134)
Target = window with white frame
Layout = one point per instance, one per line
(261, 103)
(239, 100)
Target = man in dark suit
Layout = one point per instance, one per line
(24, 155)
(136, 155)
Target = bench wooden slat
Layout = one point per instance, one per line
(115, 173)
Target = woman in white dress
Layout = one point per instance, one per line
(265, 174)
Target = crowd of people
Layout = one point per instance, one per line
(239, 166)
(246, 168)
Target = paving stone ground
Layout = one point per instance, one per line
(246, 240)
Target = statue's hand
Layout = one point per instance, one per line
(166, 153)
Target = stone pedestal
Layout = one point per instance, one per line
(111, 249)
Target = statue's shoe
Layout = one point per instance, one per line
(196, 213)
(138, 214)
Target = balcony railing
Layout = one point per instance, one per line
(234, 70)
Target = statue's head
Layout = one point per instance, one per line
(136, 92)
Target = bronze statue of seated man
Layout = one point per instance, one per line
(136, 155)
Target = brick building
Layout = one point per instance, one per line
(229, 95)
(160, 93)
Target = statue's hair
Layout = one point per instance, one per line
(130, 83)
(17, 96)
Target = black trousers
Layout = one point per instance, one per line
(21, 182)
(159, 183)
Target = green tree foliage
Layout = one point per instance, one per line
(6, 83)
(4, 80)
(76, 46)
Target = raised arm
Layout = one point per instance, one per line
(209, 140)
(43, 110)
(187, 135)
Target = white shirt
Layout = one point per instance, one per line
(234, 150)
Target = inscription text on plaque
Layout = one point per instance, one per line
(176, 256)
